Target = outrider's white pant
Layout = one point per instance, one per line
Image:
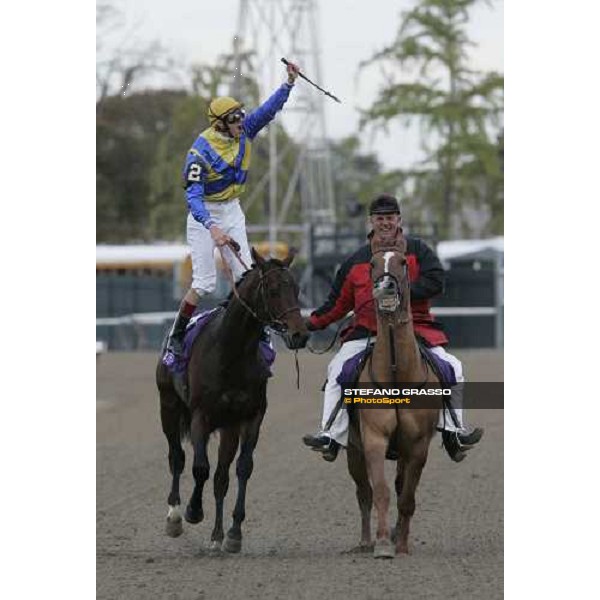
(339, 428)
(229, 217)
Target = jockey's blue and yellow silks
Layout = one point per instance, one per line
(216, 166)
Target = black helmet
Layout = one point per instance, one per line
(384, 204)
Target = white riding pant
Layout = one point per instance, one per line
(229, 217)
(339, 428)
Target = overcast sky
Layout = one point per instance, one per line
(350, 31)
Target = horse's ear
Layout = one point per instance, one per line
(257, 258)
(290, 257)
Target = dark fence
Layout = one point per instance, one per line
(471, 310)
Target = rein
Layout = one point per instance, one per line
(339, 328)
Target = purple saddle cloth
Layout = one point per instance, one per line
(196, 325)
(350, 369)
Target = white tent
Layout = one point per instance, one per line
(455, 248)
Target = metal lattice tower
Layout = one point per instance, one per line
(269, 30)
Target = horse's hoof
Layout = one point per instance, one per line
(174, 528)
(192, 516)
(232, 545)
(215, 547)
(383, 549)
(402, 550)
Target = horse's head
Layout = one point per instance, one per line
(276, 301)
(389, 273)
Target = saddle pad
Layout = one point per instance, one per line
(195, 326)
(352, 367)
(443, 369)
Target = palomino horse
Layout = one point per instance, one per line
(396, 359)
(227, 381)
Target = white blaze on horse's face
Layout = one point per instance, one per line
(386, 265)
(385, 290)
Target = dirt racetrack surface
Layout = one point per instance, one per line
(302, 514)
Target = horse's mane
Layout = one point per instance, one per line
(238, 282)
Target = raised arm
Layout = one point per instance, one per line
(266, 112)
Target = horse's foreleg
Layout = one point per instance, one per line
(411, 474)
(201, 469)
(244, 468)
(358, 471)
(375, 445)
(174, 527)
(170, 414)
(227, 447)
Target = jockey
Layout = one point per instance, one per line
(352, 290)
(214, 177)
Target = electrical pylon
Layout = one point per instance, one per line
(268, 30)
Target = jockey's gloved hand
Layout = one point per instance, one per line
(292, 71)
(220, 238)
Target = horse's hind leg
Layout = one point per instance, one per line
(364, 494)
(173, 417)
(244, 467)
(227, 448)
(398, 485)
(201, 469)
(410, 473)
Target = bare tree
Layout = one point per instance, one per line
(121, 58)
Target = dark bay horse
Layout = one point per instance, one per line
(227, 382)
(396, 359)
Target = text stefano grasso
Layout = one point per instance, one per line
(397, 392)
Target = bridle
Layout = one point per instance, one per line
(274, 322)
(388, 301)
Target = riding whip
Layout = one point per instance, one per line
(300, 74)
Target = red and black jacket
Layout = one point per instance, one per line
(353, 290)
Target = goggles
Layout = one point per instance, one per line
(235, 117)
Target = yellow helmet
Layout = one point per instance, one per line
(219, 107)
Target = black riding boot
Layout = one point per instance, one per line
(174, 344)
(457, 443)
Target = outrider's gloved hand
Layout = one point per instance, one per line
(309, 325)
